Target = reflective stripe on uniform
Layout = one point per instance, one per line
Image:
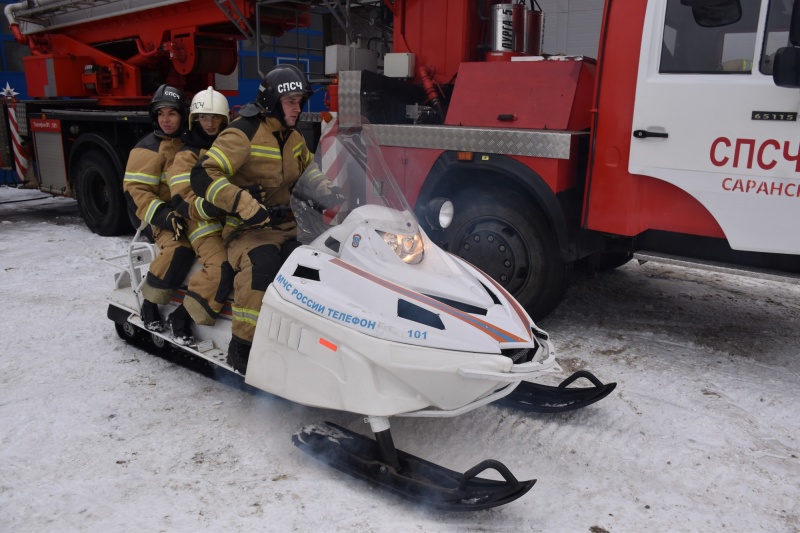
(138, 177)
(204, 229)
(215, 188)
(221, 159)
(179, 179)
(198, 206)
(151, 210)
(233, 222)
(249, 316)
(314, 174)
(265, 151)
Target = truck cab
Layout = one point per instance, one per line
(695, 151)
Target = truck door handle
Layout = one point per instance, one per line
(643, 134)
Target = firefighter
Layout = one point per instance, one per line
(147, 192)
(209, 287)
(249, 172)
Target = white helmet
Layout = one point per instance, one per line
(211, 102)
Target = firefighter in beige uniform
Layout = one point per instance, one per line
(147, 193)
(249, 172)
(209, 287)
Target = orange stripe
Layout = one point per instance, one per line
(328, 344)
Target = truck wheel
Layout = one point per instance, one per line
(98, 190)
(511, 242)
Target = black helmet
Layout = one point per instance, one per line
(168, 96)
(278, 82)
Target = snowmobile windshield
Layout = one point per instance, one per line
(348, 173)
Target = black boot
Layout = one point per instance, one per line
(151, 318)
(180, 326)
(238, 354)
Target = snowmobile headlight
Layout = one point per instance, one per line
(407, 247)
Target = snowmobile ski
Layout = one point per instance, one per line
(536, 398)
(413, 479)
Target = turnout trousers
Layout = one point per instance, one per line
(256, 256)
(169, 268)
(210, 286)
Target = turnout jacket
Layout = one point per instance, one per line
(253, 161)
(145, 183)
(202, 215)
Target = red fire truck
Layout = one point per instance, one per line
(92, 68)
(678, 143)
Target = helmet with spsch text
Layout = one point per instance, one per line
(282, 80)
(209, 102)
(168, 96)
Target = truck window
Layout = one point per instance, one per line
(691, 46)
(777, 34)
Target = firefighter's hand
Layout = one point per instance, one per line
(170, 220)
(279, 213)
(260, 217)
(333, 197)
(177, 224)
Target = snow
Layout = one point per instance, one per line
(701, 433)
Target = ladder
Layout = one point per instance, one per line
(42, 15)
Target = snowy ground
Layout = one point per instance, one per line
(96, 435)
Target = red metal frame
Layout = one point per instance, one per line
(193, 40)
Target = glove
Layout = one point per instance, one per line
(180, 206)
(260, 216)
(177, 224)
(172, 221)
(279, 213)
(334, 196)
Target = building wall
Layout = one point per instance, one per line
(571, 27)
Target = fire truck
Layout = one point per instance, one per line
(90, 72)
(675, 141)
(678, 143)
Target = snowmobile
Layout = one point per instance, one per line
(369, 316)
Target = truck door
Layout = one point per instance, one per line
(709, 119)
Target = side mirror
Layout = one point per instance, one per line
(786, 68)
(714, 13)
(794, 25)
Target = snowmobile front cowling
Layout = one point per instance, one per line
(372, 301)
(313, 346)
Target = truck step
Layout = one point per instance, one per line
(644, 256)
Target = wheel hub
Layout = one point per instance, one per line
(490, 246)
(129, 329)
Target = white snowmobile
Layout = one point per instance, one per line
(369, 316)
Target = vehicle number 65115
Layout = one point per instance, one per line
(772, 115)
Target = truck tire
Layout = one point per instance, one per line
(98, 190)
(508, 239)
